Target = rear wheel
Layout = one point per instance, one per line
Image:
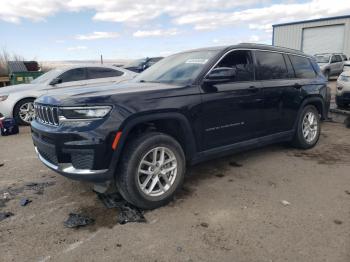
(308, 128)
(24, 111)
(151, 170)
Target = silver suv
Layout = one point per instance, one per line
(331, 64)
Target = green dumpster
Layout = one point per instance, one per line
(24, 77)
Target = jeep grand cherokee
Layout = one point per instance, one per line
(187, 108)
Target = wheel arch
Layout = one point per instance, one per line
(163, 122)
(20, 100)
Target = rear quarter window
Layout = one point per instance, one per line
(302, 67)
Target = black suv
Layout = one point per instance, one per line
(187, 108)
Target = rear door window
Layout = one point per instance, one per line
(101, 72)
(77, 74)
(302, 67)
(270, 65)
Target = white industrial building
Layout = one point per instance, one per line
(326, 35)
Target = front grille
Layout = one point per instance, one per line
(49, 155)
(46, 114)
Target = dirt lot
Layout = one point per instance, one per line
(230, 210)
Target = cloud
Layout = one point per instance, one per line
(97, 35)
(157, 32)
(113, 11)
(243, 39)
(77, 48)
(258, 15)
(262, 18)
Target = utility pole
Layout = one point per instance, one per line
(101, 59)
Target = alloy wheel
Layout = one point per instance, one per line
(310, 127)
(26, 112)
(157, 171)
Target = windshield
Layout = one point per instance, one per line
(47, 76)
(322, 58)
(136, 63)
(180, 68)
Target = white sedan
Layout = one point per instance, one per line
(342, 97)
(17, 101)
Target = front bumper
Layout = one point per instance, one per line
(76, 153)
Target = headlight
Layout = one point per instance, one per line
(83, 113)
(3, 98)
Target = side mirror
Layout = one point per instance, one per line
(56, 81)
(221, 74)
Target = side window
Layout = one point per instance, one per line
(291, 73)
(302, 67)
(76, 74)
(101, 72)
(344, 58)
(242, 63)
(333, 60)
(338, 58)
(270, 65)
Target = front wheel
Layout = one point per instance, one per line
(151, 170)
(308, 129)
(24, 111)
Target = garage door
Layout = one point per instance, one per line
(325, 39)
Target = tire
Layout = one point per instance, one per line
(17, 111)
(135, 185)
(301, 140)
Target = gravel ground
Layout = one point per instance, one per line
(229, 210)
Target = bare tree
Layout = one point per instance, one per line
(6, 56)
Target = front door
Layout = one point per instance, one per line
(232, 110)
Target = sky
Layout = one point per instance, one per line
(123, 29)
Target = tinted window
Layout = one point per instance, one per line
(100, 72)
(302, 67)
(270, 65)
(338, 58)
(76, 74)
(241, 61)
(345, 58)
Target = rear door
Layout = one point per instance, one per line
(276, 74)
(231, 111)
(336, 64)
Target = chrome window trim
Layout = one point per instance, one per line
(251, 49)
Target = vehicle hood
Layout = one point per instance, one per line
(19, 88)
(101, 94)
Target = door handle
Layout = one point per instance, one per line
(297, 86)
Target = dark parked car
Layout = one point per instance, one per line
(187, 108)
(140, 65)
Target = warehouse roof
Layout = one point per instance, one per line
(313, 20)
